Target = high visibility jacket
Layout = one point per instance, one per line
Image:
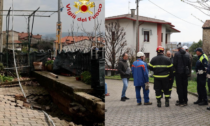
(140, 73)
(202, 63)
(162, 66)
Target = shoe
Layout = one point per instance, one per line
(203, 103)
(138, 103)
(177, 101)
(148, 103)
(208, 108)
(123, 99)
(167, 102)
(107, 94)
(181, 105)
(158, 103)
(126, 98)
(185, 104)
(197, 102)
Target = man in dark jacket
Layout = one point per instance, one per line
(201, 69)
(171, 82)
(188, 53)
(124, 71)
(161, 66)
(208, 76)
(181, 64)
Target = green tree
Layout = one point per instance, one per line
(195, 45)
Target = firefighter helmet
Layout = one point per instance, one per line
(160, 49)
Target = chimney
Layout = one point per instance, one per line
(133, 12)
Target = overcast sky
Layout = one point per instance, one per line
(46, 24)
(188, 32)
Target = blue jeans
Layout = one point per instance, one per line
(138, 94)
(125, 86)
(105, 88)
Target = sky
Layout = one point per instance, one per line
(48, 24)
(189, 32)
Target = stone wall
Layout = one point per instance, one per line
(206, 41)
(73, 98)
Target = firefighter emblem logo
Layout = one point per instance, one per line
(84, 6)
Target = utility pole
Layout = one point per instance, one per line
(59, 44)
(137, 26)
(96, 44)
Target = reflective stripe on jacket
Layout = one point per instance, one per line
(140, 73)
(162, 66)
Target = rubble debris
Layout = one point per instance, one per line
(20, 97)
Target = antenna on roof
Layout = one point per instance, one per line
(129, 7)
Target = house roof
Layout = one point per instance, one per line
(143, 19)
(206, 24)
(17, 41)
(23, 35)
(10, 31)
(70, 39)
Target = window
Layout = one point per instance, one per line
(113, 36)
(146, 36)
(161, 37)
(166, 38)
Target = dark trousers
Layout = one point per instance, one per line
(209, 85)
(201, 87)
(171, 82)
(181, 84)
(161, 84)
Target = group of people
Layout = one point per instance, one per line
(165, 69)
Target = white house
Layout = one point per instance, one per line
(152, 32)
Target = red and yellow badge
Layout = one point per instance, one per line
(84, 7)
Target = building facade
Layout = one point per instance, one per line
(10, 38)
(206, 37)
(152, 32)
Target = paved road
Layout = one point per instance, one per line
(129, 114)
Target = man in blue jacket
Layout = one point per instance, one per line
(140, 75)
(208, 76)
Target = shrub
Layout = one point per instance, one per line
(49, 61)
(86, 77)
(5, 79)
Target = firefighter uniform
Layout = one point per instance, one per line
(162, 68)
(201, 69)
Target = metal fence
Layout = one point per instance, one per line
(22, 61)
(72, 62)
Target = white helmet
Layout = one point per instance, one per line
(185, 47)
(139, 54)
